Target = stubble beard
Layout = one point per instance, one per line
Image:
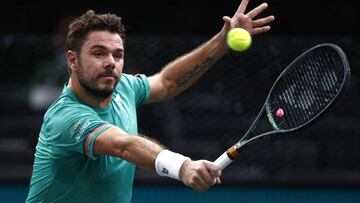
(91, 88)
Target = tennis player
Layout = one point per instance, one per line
(89, 144)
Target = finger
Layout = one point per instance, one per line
(196, 182)
(208, 172)
(260, 30)
(263, 21)
(198, 187)
(207, 177)
(242, 6)
(216, 173)
(218, 181)
(253, 13)
(201, 184)
(213, 169)
(227, 21)
(210, 175)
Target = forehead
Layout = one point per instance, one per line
(104, 39)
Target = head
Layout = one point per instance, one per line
(95, 52)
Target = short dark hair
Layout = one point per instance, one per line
(80, 27)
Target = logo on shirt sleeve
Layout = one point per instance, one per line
(79, 128)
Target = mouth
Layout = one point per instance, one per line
(107, 80)
(107, 76)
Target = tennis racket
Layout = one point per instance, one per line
(303, 91)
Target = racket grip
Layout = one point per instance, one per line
(223, 161)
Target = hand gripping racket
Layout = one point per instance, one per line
(303, 91)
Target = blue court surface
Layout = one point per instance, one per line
(177, 194)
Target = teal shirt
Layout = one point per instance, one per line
(63, 170)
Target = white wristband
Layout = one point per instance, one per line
(168, 163)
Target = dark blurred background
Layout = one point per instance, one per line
(208, 118)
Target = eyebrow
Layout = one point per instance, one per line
(105, 48)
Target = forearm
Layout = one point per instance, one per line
(139, 150)
(185, 70)
(147, 153)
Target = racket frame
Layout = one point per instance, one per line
(233, 152)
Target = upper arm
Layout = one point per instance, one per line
(158, 88)
(66, 129)
(112, 141)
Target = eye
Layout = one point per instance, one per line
(118, 56)
(98, 54)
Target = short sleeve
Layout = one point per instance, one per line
(141, 88)
(68, 128)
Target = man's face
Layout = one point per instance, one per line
(100, 63)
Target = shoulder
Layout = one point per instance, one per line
(67, 105)
(131, 80)
(66, 110)
(131, 83)
(67, 120)
(134, 86)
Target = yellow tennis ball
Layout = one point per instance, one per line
(238, 39)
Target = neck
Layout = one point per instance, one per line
(90, 99)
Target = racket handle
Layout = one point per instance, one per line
(223, 161)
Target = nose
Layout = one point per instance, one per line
(110, 62)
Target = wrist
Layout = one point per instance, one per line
(183, 169)
(220, 44)
(168, 163)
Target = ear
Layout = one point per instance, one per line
(71, 59)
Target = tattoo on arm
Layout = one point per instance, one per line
(199, 69)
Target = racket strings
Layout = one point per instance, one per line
(306, 88)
